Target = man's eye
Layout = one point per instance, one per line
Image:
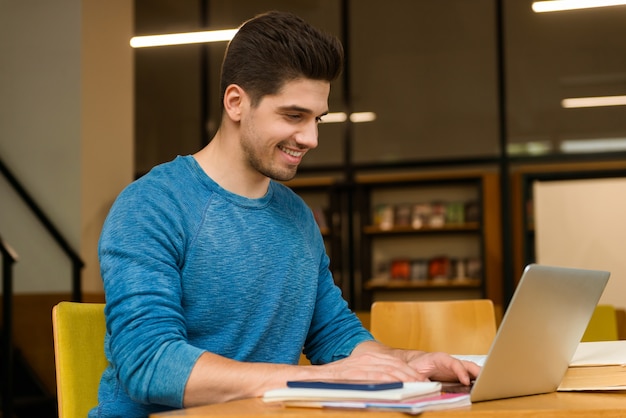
(293, 116)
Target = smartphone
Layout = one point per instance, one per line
(344, 384)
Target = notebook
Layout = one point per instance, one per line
(540, 332)
(407, 391)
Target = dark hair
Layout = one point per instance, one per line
(275, 47)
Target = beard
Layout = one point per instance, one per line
(265, 166)
(270, 170)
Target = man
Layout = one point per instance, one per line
(215, 275)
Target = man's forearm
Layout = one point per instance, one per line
(217, 379)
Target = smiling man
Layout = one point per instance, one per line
(215, 275)
(267, 140)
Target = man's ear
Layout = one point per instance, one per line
(234, 100)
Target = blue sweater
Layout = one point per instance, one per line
(189, 267)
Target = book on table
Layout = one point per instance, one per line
(412, 397)
(597, 365)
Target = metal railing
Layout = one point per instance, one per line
(9, 257)
(77, 262)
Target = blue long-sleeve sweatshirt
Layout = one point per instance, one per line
(189, 267)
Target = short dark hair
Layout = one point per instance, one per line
(275, 47)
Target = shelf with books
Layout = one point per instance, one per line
(470, 227)
(413, 284)
(431, 231)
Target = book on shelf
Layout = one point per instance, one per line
(419, 270)
(458, 266)
(597, 365)
(472, 211)
(437, 217)
(403, 215)
(436, 214)
(400, 269)
(420, 215)
(435, 270)
(412, 398)
(384, 215)
(455, 213)
(473, 268)
(439, 268)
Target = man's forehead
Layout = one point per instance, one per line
(302, 95)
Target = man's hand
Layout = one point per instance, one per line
(371, 365)
(441, 366)
(385, 363)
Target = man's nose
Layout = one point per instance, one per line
(308, 136)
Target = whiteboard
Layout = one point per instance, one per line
(582, 223)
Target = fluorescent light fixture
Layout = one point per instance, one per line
(362, 117)
(182, 38)
(576, 102)
(529, 148)
(356, 117)
(573, 146)
(335, 117)
(560, 5)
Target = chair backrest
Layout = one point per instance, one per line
(455, 327)
(79, 330)
(602, 325)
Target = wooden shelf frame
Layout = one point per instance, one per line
(489, 229)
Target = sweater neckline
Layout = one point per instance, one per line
(204, 178)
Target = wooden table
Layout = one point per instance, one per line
(553, 405)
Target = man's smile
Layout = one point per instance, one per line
(291, 152)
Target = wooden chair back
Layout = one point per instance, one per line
(455, 327)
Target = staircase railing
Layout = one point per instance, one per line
(77, 262)
(9, 257)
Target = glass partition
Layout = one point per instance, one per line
(428, 70)
(423, 78)
(553, 58)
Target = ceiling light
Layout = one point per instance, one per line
(362, 117)
(529, 148)
(593, 145)
(576, 102)
(560, 5)
(356, 117)
(182, 38)
(335, 117)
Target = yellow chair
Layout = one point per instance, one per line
(620, 315)
(78, 330)
(455, 327)
(602, 325)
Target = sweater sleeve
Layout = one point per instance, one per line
(335, 330)
(141, 253)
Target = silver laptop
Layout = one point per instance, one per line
(540, 332)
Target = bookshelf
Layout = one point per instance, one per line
(428, 235)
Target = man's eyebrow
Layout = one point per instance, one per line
(296, 108)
